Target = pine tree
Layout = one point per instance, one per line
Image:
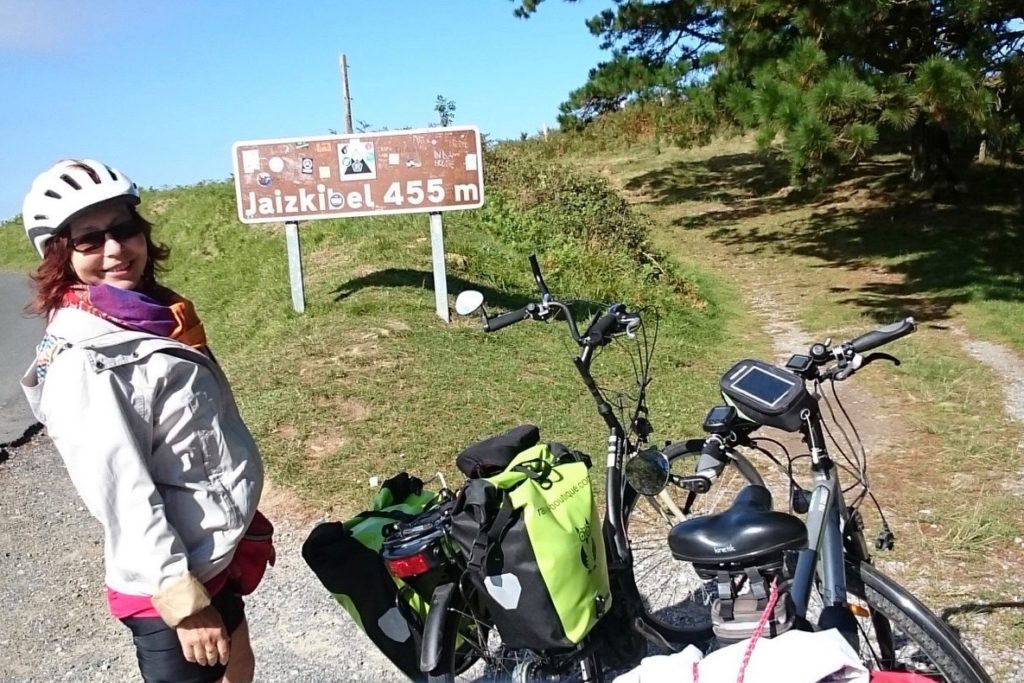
(822, 80)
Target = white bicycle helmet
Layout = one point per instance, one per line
(65, 190)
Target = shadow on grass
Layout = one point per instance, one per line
(978, 608)
(496, 300)
(924, 255)
(947, 613)
(730, 176)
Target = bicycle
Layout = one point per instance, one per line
(457, 630)
(821, 566)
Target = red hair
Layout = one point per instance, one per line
(55, 275)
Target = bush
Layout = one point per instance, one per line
(545, 203)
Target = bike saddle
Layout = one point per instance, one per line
(745, 533)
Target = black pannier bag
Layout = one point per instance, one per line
(356, 574)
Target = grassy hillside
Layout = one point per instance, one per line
(958, 257)
(370, 381)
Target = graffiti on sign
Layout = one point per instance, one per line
(434, 169)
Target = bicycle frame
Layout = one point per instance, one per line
(827, 518)
(619, 497)
(616, 545)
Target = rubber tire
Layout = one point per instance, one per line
(908, 615)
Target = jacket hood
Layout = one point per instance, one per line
(104, 344)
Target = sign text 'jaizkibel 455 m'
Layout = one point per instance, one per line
(363, 174)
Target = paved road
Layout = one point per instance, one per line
(18, 336)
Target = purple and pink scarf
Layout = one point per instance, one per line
(165, 314)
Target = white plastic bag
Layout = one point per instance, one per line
(794, 657)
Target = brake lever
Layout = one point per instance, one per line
(632, 326)
(838, 373)
(841, 374)
(878, 355)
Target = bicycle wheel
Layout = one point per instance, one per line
(472, 650)
(899, 633)
(675, 598)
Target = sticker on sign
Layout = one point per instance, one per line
(363, 174)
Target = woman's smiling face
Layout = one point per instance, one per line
(109, 247)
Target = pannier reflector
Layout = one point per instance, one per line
(404, 567)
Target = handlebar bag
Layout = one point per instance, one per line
(345, 557)
(532, 542)
(767, 395)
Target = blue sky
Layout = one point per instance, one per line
(161, 90)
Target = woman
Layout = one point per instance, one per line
(146, 424)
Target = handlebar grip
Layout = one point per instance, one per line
(680, 447)
(883, 335)
(600, 330)
(505, 319)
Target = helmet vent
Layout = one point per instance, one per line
(52, 194)
(71, 181)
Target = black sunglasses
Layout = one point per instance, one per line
(94, 241)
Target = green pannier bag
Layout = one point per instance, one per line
(345, 556)
(532, 539)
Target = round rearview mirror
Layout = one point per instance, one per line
(648, 472)
(468, 302)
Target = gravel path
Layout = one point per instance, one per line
(54, 625)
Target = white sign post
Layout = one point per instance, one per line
(428, 170)
(440, 272)
(291, 236)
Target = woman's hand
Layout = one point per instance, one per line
(203, 638)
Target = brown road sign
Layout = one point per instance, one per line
(365, 174)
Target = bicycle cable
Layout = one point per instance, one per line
(862, 462)
(856, 434)
(856, 462)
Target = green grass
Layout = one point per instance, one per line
(369, 381)
(962, 257)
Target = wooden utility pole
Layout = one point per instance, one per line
(344, 92)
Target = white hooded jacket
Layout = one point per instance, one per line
(154, 444)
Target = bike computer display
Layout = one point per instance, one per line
(719, 419)
(766, 394)
(799, 363)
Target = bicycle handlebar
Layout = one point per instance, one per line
(602, 328)
(883, 335)
(615, 320)
(510, 318)
(714, 451)
(848, 353)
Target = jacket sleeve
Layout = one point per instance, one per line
(105, 446)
